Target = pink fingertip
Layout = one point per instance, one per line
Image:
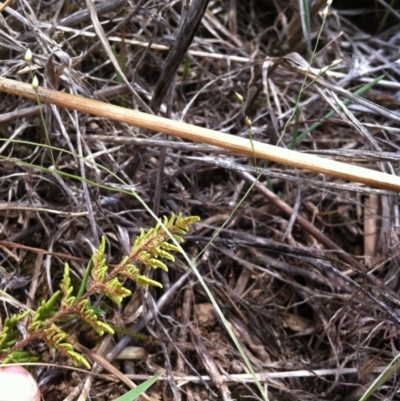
(17, 384)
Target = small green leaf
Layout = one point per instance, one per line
(98, 311)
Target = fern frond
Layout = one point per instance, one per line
(148, 249)
(84, 310)
(9, 335)
(58, 339)
(170, 247)
(179, 224)
(143, 281)
(76, 358)
(99, 270)
(154, 244)
(67, 289)
(20, 357)
(46, 310)
(116, 291)
(132, 273)
(159, 252)
(151, 262)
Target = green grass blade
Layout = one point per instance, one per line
(386, 16)
(358, 92)
(306, 23)
(85, 279)
(139, 390)
(382, 378)
(295, 133)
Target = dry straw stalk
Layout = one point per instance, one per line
(203, 135)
